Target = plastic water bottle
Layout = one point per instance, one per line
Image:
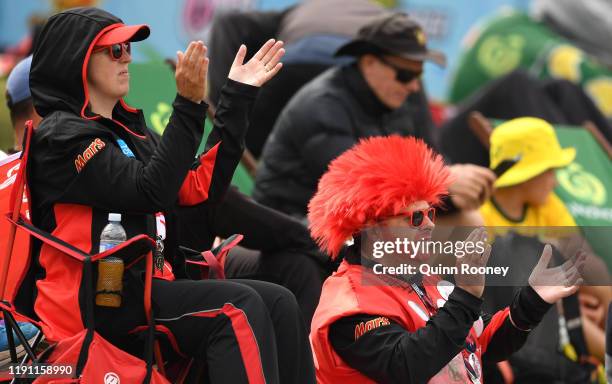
(110, 269)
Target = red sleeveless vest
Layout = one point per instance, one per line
(353, 290)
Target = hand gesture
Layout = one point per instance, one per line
(191, 71)
(472, 186)
(552, 284)
(261, 68)
(473, 283)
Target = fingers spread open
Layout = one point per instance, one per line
(568, 291)
(271, 53)
(203, 69)
(189, 52)
(276, 58)
(545, 258)
(264, 49)
(472, 235)
(486, 254)
(240, 55)
(270, 74)
(179, 58)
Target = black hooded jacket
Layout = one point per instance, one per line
(84, 166)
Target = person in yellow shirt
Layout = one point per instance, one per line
(524, 195)
(524, 154)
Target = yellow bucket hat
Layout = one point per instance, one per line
(533, 143)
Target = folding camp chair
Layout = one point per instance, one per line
(90, 357)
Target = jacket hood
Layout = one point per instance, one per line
(58, 76)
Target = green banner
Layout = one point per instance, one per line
(152, 89)
(511, 41)
(585, 186)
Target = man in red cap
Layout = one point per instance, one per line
(373, 327)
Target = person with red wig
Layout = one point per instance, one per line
(370, 327)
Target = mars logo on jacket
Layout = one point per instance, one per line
(88, 153)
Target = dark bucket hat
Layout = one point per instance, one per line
(394, 34)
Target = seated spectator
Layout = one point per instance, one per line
(377, 95)
(19, 100)
(29, 331)
(409, 328)
(524, 197)
(276, 247)
(93, 154)
(517, 94)
(312, 31)
(21, 109)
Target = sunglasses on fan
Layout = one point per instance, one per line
(417, 218)
(402, 75)
(116, 51)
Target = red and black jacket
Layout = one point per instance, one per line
(84, 166)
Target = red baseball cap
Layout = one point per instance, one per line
(124, 33)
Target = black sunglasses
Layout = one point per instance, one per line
(116, 51)
(402, 75)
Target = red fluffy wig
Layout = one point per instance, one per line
(374, 180)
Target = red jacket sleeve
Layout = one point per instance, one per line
(212, 176)
(197, 182)
(497, 320)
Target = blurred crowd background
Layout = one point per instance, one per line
(505, 59)
(174, 23)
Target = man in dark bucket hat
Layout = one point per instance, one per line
(379, 94)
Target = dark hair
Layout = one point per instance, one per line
(21, 110)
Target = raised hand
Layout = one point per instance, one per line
(472, 186)
(191, 71)
(474, 283)
(553, 284)
(261, 68)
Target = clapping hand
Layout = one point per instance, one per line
(553, 284)
(191, 71)
(263, 66)
(474, 283)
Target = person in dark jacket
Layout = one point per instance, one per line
(378, 95)
(276, 247)
(93, 154)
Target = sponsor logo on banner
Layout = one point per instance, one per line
(582, 185)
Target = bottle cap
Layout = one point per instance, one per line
(114, 217)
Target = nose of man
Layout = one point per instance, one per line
(414, 85)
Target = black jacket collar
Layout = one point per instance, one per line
(362, 91)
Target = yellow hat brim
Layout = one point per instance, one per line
(522, 171)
